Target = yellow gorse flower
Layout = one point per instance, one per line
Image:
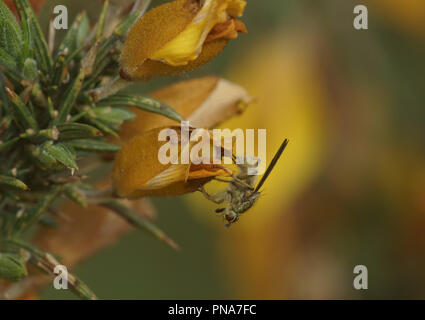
(188, 45)
(138, 173)
(179, 36)
(206, 102)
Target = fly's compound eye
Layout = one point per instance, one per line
(232, 217)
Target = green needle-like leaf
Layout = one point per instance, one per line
(11, 182)
(139, 221)
(70, 98)
(62, 153)
(10, 32)
(21, 112)
(93, 145)
(72, 193)
(76, 35)
(37, 211)
(7, 60)
(31, 26)
(71, 131)
(113, 116)
(12, 267)
(143, 103)
(102, 19)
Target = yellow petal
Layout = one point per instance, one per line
(138, 173)
(187, 46)
(154, 30)
(152, 68)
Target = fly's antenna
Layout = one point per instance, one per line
(272, 164)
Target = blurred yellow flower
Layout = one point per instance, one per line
(281, 73)
(179, 36)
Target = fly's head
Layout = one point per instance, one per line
(233, 211)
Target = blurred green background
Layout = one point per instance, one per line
(351, 190)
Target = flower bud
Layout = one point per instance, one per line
(179, 36)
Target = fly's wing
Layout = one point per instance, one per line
(272, 165)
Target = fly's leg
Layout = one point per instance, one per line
(217, 198)
(235, 179)
(222, 180)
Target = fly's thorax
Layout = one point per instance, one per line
(247, 171)
(252, 180)
(248, 204)
(247, 165)
(237, 194)
(248, 201)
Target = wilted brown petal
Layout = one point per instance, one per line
(206, 102)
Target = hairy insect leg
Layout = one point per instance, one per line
(235, 179)
(222, 180)
(216, 198)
